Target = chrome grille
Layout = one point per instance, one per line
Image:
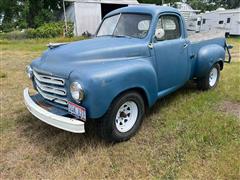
(51, 88)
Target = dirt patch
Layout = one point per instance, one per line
(3, 75)
(231, 108)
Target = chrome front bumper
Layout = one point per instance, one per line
(67, 124)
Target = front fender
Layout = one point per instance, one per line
(207, 57)
(104, 82)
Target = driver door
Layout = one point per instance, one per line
(171, 53)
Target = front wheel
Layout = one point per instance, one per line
(123, 118)
(210, 81)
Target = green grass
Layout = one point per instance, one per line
(185, 135)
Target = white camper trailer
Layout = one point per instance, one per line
(87, 14)
(227, 20)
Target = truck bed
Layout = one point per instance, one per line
(205, 35)
(202, 39)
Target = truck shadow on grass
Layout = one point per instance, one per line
(64, 144)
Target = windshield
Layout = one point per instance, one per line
(126, 25)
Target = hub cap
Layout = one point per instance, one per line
(213, 77)
(126, 116)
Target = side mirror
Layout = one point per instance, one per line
(159, 34)
(229, 46)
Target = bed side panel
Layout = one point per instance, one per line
(194, 53)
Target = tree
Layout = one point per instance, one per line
(13, 15)
(20, 14)
(43, 11)
(228, 4)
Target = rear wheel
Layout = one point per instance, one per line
(210, 81)
(123, 118)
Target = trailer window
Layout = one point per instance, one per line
(228, 20)
(220, 22)
(171, 26)
(204, 21)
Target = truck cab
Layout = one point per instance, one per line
(138, 55)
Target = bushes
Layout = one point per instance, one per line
(48, 30)
(70, 30)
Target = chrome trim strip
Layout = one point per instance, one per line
(53, 98)
(51, 89)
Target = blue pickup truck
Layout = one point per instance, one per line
(138, 55)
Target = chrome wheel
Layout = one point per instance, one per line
(213, 76)
(126, 116)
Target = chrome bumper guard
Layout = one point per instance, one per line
(67, 124)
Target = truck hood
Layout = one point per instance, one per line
(62, 60)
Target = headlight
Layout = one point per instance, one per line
(77, 91)
(29, 72)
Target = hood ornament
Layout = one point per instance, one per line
(55, 45)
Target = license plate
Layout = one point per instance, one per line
(77, 111)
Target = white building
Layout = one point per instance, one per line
(87, 14)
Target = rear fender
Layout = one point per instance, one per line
(207, 57)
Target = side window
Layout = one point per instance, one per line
(170, 26)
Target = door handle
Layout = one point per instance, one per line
(150, 45)
(185, 45)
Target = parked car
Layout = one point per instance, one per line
(139, 54)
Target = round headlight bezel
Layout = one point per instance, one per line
(77, 91)
(29, 72)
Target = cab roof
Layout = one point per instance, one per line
(146, 9)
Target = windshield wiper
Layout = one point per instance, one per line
(122, 36)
